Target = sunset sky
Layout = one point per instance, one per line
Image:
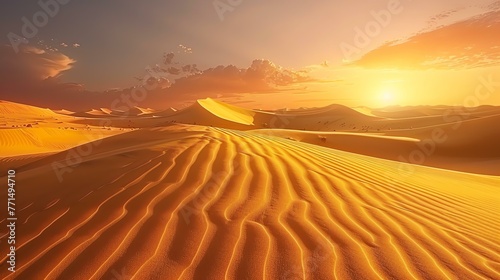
(259, 54)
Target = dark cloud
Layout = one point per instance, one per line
(168, 58)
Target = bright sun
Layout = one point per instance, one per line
(387, 98)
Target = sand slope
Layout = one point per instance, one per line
(22, 141)
(423, 111)
(9, 108)
(165, 113)
(26, 130)
(214, 113)
(187, 202)
(470, 145)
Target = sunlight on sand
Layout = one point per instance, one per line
(153, 196)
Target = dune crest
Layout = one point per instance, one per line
(227, 112)
(11, 108)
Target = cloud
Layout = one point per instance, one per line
(168, 57)
(261, 76)
(33, 77)
(469, 43)
(185, 49)
(30, 65)
(265, 71)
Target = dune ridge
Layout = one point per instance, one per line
(12, 108)
(185, 202)
(227, 112)
(33, 140)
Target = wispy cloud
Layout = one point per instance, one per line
(468, 43)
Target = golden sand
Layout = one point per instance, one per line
(199, 202)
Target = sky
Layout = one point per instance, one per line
(260, 54)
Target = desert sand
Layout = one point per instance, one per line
(215, 191)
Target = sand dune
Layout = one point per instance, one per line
(145, 111)
(16, 161)
(106, 112)
(240, 200)
(469, 145)
(371, 144)
(94, 113)
(423, 111)
(26, 130)
(10, 108)
(132, 111)
(214, 113)
(330, 111)
(365, 110)
(227, 112)
(477, 133)
(196, 202)
(22, 141)
(63, 112)
(165, 113)
(218, 114)
(99, 112)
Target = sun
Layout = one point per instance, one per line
(387, 98)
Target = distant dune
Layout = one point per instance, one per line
(133, 111)
(105, 112)
(165, 113)
(63, 112)
(469, 145)
(215, 191)
(26, 130)
(424, 111)
(218, 114)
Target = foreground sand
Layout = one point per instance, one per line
(184, 202)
